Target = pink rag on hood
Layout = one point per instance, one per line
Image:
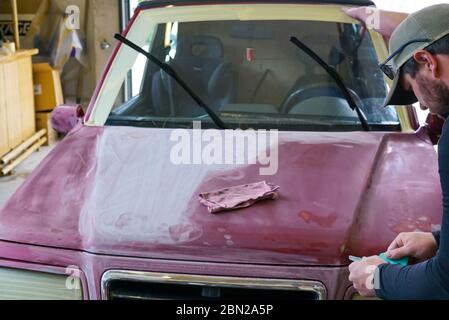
(239, 197)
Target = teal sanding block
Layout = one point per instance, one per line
(403, 262)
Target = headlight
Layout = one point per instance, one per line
(18, 284)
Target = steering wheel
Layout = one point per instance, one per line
(315, 90)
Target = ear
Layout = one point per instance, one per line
(428, 61)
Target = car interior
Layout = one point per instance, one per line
(252, 68)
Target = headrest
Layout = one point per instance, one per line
(252, 31)
(200, 46)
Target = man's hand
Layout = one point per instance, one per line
(384, 22)
(419, 246)
(359, 13)
(362, 275)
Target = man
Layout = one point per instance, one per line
(419, 68)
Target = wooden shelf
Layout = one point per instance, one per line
(18, 55)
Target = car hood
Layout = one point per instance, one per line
(115, 191)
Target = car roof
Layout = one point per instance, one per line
(159, 3)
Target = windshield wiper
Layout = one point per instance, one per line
(338, 80)
(172, 73)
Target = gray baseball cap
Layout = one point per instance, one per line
(418, 31)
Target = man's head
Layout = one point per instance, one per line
(420, 60)
(426, 74)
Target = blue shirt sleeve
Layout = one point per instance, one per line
(436, 235)
(429, 279)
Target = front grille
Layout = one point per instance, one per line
(129, 285)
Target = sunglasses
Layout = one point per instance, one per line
(387, 69)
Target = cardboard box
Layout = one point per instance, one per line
(43, 121)
(26, 10)
(47, 87)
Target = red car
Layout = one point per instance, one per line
(113, 211)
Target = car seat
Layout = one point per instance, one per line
(200, 62)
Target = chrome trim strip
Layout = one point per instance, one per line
(230, 282)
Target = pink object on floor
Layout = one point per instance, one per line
(65, 117)
(238, 197)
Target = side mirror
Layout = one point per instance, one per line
(66, 117)
(434, 126)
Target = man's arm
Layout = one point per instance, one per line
(430, 279)
(385, 23)
(424, 281)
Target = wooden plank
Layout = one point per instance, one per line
(23, 147)
(15, 23)
(4, 139)
(18, 55)
(27, 98)
(7, 169)
(12, 96)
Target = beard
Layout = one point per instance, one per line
(435, 94)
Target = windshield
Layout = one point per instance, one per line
(251, 75)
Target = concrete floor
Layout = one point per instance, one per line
(9, 184)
